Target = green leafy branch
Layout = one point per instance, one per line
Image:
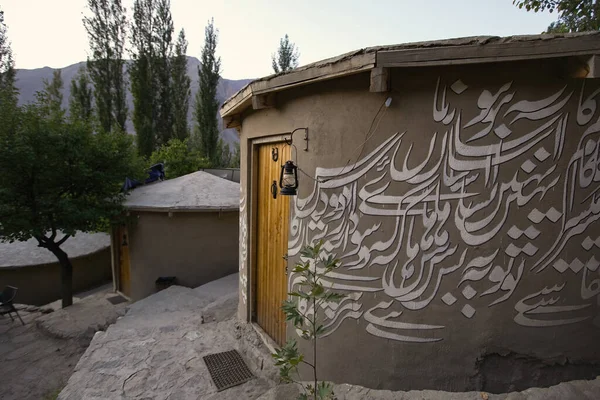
(312, 269)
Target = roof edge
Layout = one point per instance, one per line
(182, 209)
(466, 50)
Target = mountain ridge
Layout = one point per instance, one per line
(31, 81)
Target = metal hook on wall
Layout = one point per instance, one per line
(290, 141)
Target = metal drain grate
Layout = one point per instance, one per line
(227, 369)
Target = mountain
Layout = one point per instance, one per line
(30, 81)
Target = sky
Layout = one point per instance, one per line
(51, 33)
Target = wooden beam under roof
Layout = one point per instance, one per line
(380, 80)
(261, 101)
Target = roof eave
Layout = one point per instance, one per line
(470, 50)
(347, 64)
(181, 209)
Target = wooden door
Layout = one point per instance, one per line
(124, 266)
(271, 242)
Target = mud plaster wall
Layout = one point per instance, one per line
(41, 284)
(467, 225)
(195, 247)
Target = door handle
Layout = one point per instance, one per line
(274, 189)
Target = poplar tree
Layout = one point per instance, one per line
(80, 100)
(163, 35)
(181, 90)
(150, 71)
(141, 76)
(206, 105)
(106, 29)
(286, 57)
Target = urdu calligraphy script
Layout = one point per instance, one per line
(510, 195)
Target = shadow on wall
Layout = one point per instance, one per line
(40, 284)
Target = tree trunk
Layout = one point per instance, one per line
(66, 274)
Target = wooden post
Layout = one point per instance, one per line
(261, 101)
(232, 121)
(380, 80)
(593, 64)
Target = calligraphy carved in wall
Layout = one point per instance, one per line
(509, 195)
(243, 249)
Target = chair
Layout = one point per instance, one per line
(6, 302)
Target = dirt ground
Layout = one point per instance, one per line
(32, 364)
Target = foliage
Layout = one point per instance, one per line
(181, 89)
(206, 106)
(286, 57)
(179, 158)
(58, 178)
(574, 15)
(312, 269)
(106, 30)
(80, 100)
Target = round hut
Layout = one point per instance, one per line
(179, 231)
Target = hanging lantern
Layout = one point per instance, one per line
(288, 180)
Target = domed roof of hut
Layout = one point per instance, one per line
(27, 253)
(198, 191)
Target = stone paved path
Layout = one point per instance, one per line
(33, 365)
(156, 350)
(37, 359)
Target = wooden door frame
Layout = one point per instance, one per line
(116, 260)
(252, 195)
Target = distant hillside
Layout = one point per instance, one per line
(30, 81)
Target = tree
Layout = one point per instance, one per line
(286, 57)
(106, 30)
(52, 96)
(207, 105)
(59, 178)
(163, 33)
(574, 15)
(181, 89)
(179, 158)
(80, 100)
